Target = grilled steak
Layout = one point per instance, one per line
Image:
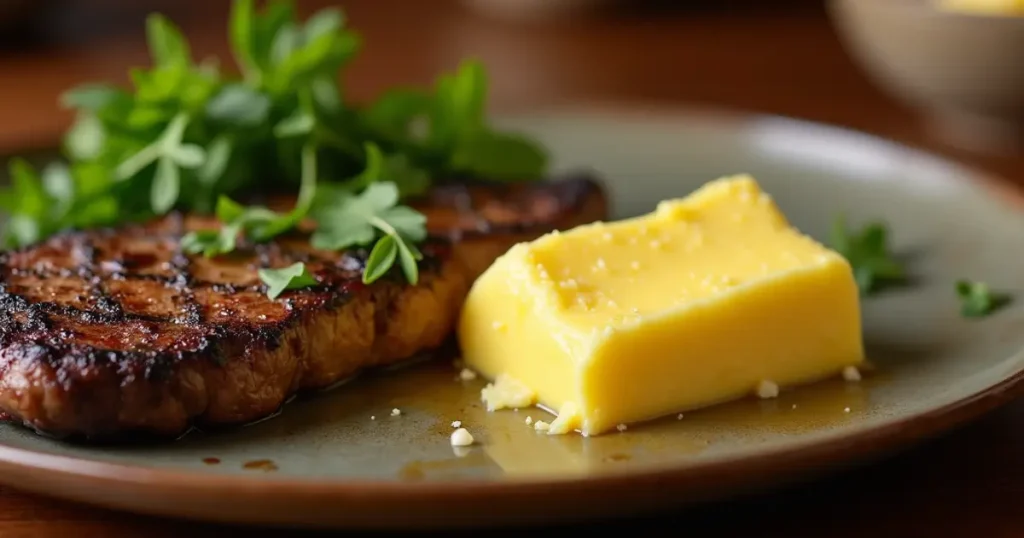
(114, 331)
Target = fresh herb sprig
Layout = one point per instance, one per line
(977, 300)
(188, 136)
(870, 256)
(294, 276)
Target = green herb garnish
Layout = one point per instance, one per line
(294, 276)
(977, 300)
(868, 252)
(350, 220)
(188, 136)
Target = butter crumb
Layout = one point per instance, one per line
(679, 416)
(506, 393)
(541, 426)
(851, 373)
(529, 420)
(467, 375)
(621, 427)
(372, 417)
(568, 419)
(456, 423)
(461, 437)
(767, 389)
(395, 412)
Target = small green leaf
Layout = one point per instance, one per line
(325, 93)
(379, 196)
(22, 230)
(977, 300)
(323, 22)
(299, 124)
(242, 31)
(167, 45)
(86, 138)
(410, 179)
(408, 222)
(229, 210)
(239, 105)
(468, 92)
(500, 156)
(166, 186)
(381, 258)
(218, 156)
(394, 112)
(287, 40)
(59, 185)
(188, 156)
(29, 196)
(373, 169)
(407, 258)
(294, 276)
(91, 97)
(340, 230)
(869, 255)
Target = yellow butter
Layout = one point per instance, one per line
(702, 301)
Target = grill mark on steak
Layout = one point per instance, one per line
(113, 331)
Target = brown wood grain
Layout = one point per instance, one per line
(783, 61)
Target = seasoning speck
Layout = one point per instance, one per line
(395, 412)
(851, 373)
(461, 437)
(767, 389)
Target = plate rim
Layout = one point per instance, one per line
(37, 469)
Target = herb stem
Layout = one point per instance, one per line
(134, 164)
(164, 145)
(383, 226)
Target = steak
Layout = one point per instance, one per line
(113, 331)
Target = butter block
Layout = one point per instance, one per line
(702, 301)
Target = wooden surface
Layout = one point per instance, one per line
(784, 61)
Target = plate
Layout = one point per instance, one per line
(341, 459)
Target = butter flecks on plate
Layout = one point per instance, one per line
(702, 301)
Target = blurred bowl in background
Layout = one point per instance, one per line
(965, 70)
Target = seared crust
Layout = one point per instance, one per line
(116, 330)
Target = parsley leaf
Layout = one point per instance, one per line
(353, 220)
(294, 276)
(977, 300)
(868, 252)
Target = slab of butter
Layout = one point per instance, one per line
(708, 299)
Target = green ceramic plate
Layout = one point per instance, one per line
(340, 459)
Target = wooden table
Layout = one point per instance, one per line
(784, 61)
